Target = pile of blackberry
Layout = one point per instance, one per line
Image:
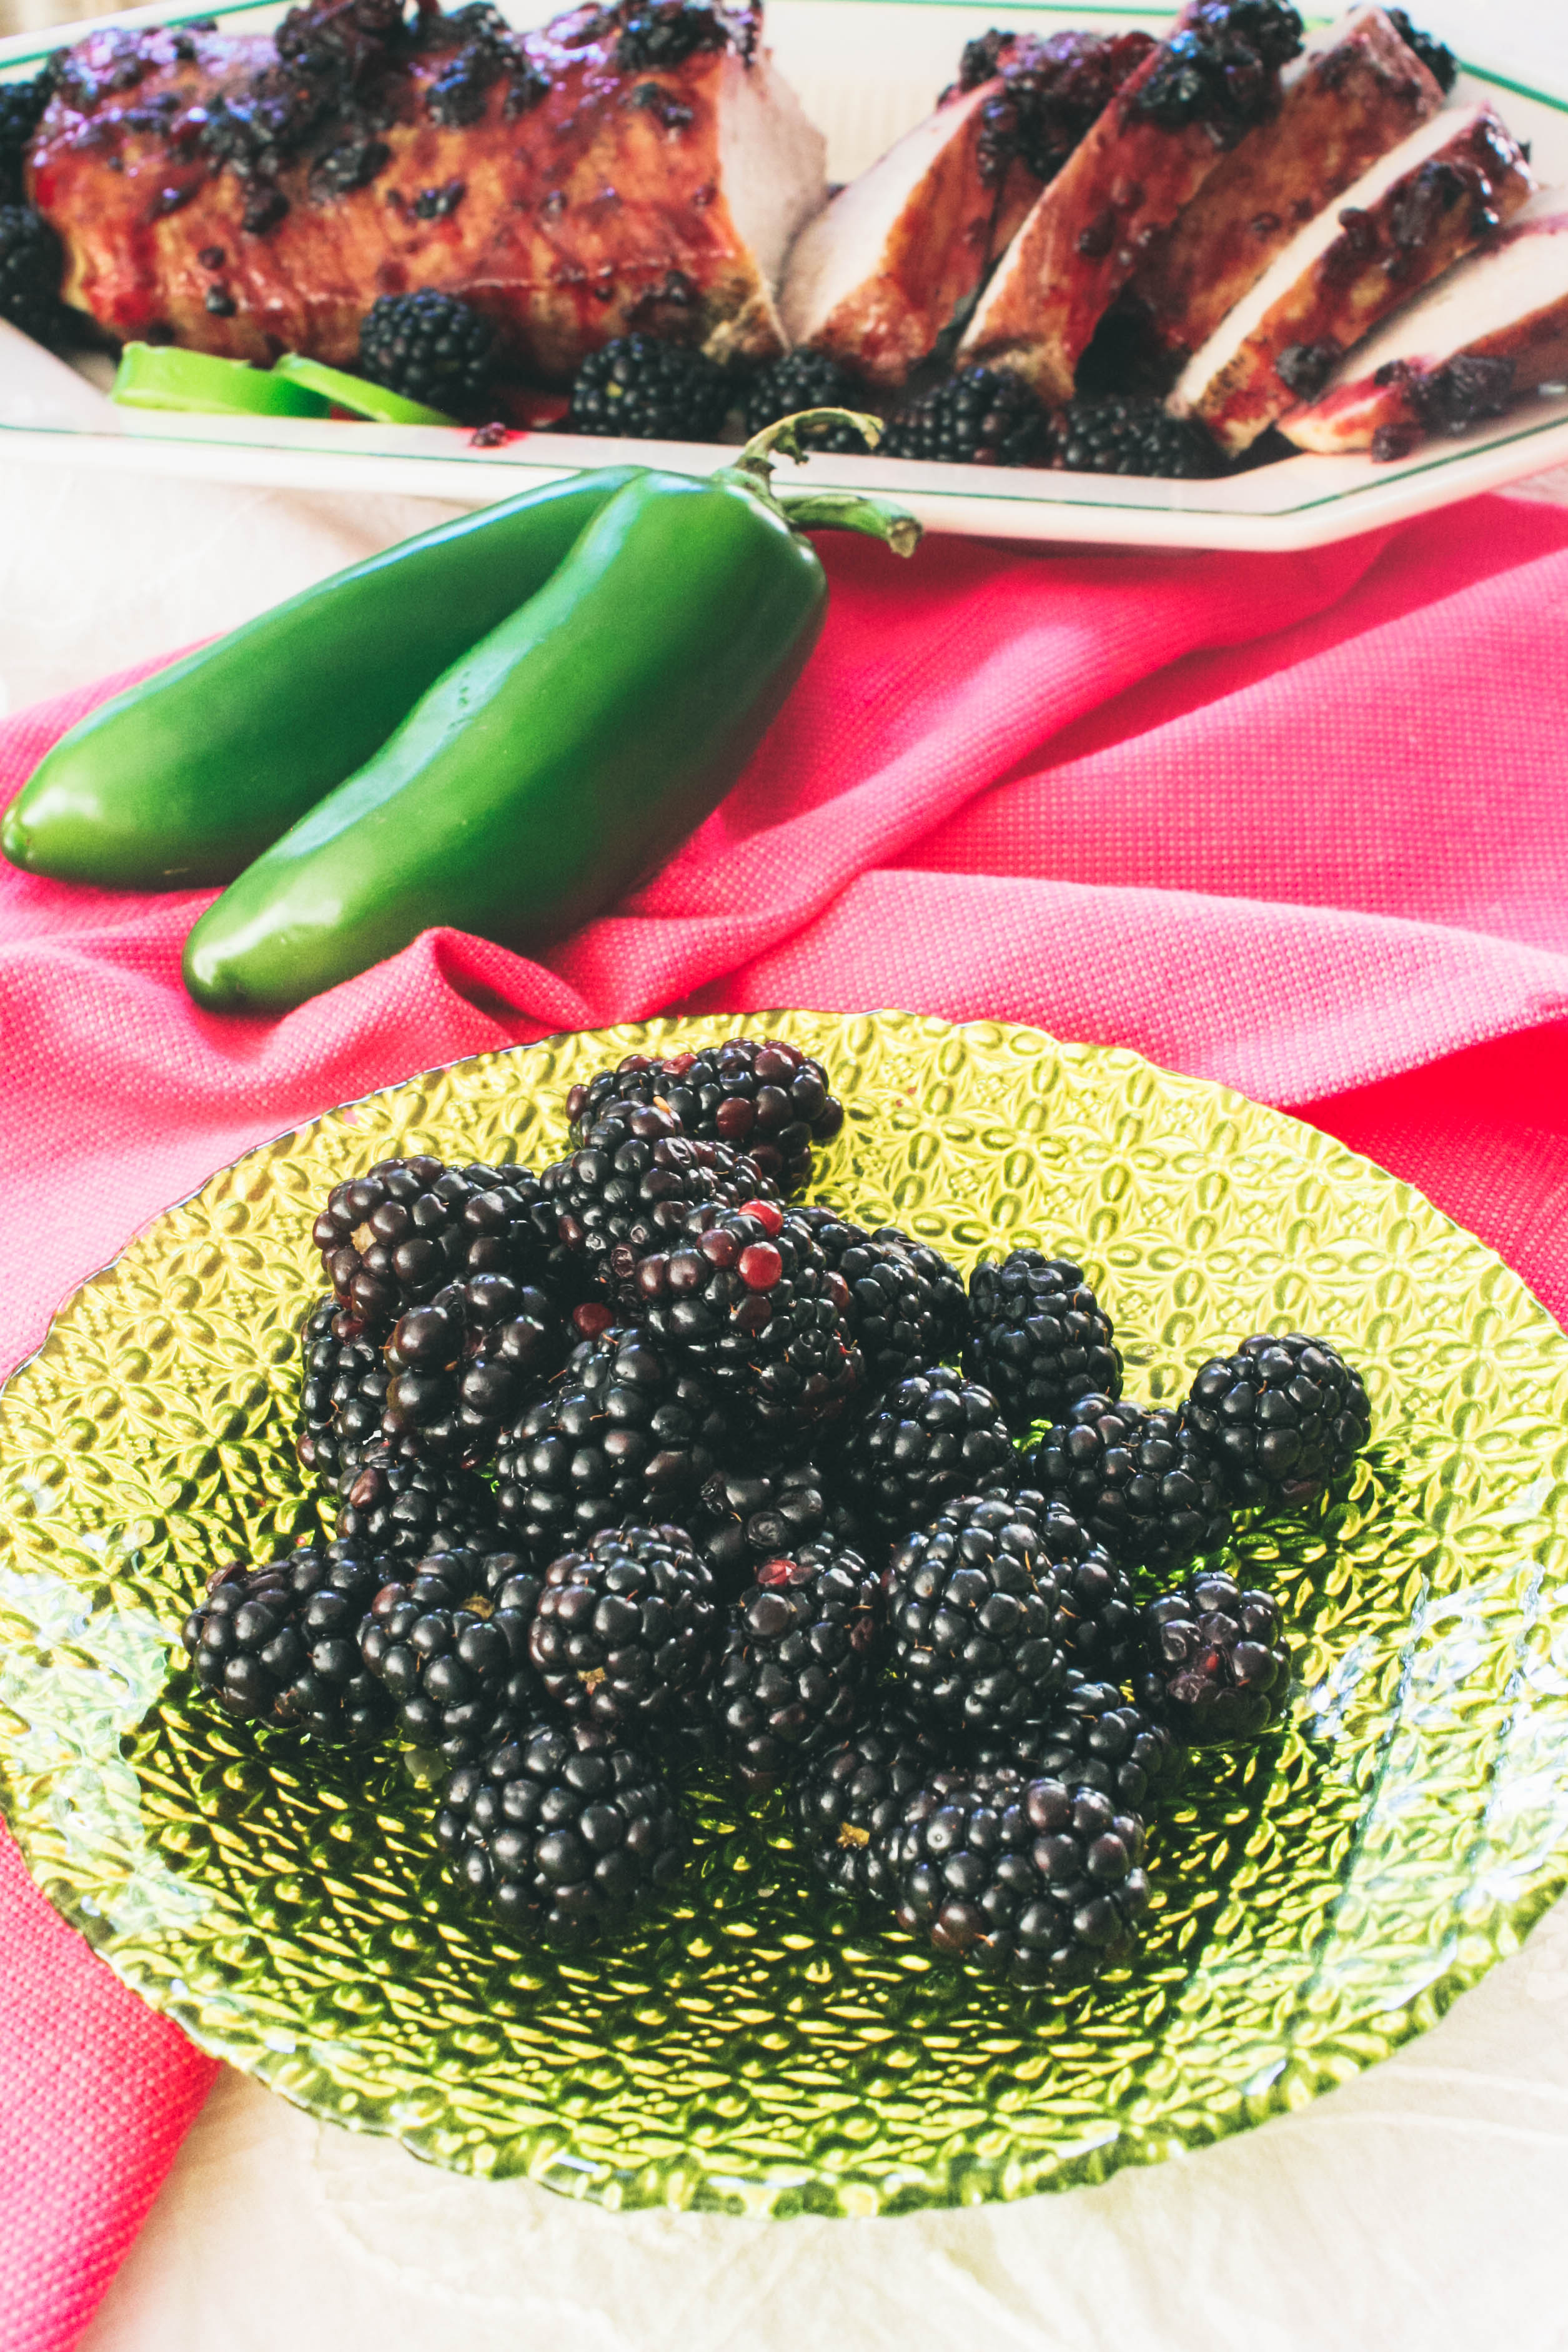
(639, 1463)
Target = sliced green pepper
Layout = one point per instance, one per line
(563, 757)
(187, 777)
(160, 376)
(356, 393)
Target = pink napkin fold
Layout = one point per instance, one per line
(1299, 823)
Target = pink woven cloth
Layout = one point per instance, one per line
(1296, 824)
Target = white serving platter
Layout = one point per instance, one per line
(866, 70)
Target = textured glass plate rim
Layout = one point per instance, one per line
(1296, 2075)
(427, 462)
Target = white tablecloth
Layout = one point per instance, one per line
(1419, 2208)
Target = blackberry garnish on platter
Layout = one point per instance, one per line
(925, 1441)
(761, 1095)
(624, 1193)
(453, 1660)
(1094, 1738)
(31, 262)
(22, 105)
(972, 1602)
(803, 380)
(798, 1654)
(1038, 1338)
(1217, 1667)
(561, 1831)
(1142, 1483)
(645, 390)
(389, 1503)
(625, 1627)
(1281, 1418)
(850, 1799)
(1132, 436)
(982, 416)
(280, 1642)
(430, 347)
(1039, 1881)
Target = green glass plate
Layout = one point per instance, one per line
(755, 2050)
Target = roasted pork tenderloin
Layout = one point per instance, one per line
(623, 169)
(1357, 91)
(1449, 185)
(897, 257)
(1195, 97)
(1493, 330)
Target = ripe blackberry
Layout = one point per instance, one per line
(22, 105)
(392, 1237)
(798, 1655)
(972, 1601)
(646, 390)
(1280, 1418)
(343, 1392)
(807, 380)
(749, 1296)
(943, 1292)
(850, 1799)
(1094, 1620)
(1439, 61)
(623, 1628)
(1094, 1739)
(761, 1095)
(1141, 1482)
(926, 1440)
(1221, 70)
(1217, 1667)
(30, 266)
(628, 1431)
(1039, 1881)
(1123, 435)
(625, 1191)
(409, 1508)
(564, 1833)
(467, 1362)
(982, 416)
(1038, 1338)
(899, 1313)
(742, 1518)
(431, 347)
(454, 1661)
(280, 1642)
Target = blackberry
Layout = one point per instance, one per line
(749, 1296)
(629, 1431)
(1094, 1739)
(807, 380)
(744, 1517)
(1094, 1620)
(625, 1626)
(1280, 1418)
(280, 1642)
(30, 266)
(1141, 1482)
(562, 1833)
(800, 1648)
(392, 1237)
(468, 1361)
(1217, 1667)
(454, 1662)
(625, 1191)
(1439, 61)
(943, 1296)
(1039, 1881)
(1221, 70)
(926, 1440)
(409, 1508)
(343, 1392)
(430, 347)
(897, 1314)
(972, 1602)
(666, 33)
(646, 390)
(1052, 91)
(982, 416)
(1125, 436)
(761, 1095)
(1038, 1338)
(850, 1799)
(22, 105)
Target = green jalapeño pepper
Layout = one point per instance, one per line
(185, 778)
(564, 757)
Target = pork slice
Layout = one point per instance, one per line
(1493, 329)
(875, 279)
(570, 197)
(1357, 91)
(1144, 159)
(1435, 197)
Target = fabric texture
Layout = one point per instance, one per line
(1294, 823)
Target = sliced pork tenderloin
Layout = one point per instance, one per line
(1358, 92)
(1494, 328)
(1166, 130)
(1451, 183)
